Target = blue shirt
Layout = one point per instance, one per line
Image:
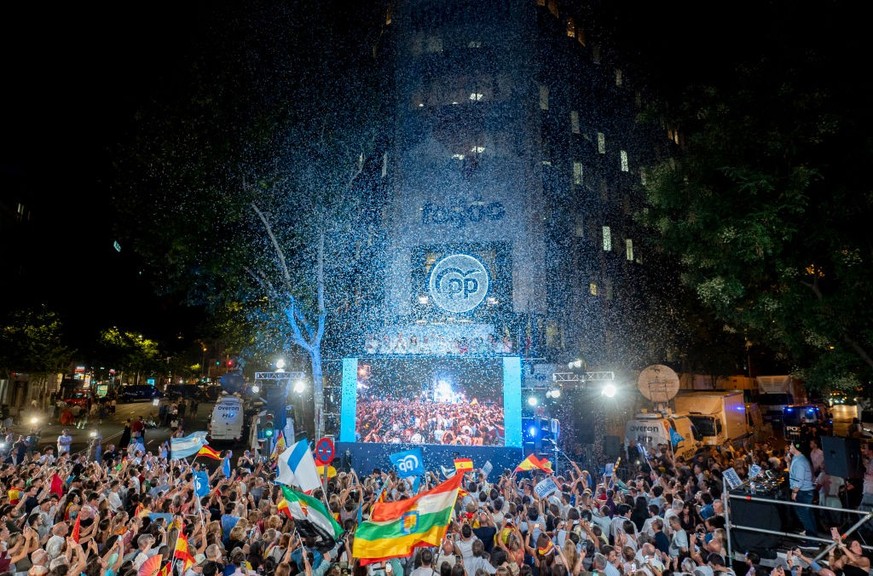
(800, 473)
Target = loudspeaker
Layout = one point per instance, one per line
(761, 515)
(611, 447)
(842, 456)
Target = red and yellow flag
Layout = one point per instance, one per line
(463, 464)
(209, 453)
(534, 463)
(283, 508)
(166, 570)
(77, 527)
(183, 552)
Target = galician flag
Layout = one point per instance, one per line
(297, 467)
(396, 528)
(304, 507)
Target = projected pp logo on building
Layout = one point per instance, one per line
(458, 283)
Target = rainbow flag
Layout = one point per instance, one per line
(396, 528)
(209, 453)
(534, 463)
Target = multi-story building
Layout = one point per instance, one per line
(508, 185)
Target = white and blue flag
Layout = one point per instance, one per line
(408, 463)
(188, 445)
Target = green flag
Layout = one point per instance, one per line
(303, 507)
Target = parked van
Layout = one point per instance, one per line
(796, 415)
(650, 430)
(228, 420)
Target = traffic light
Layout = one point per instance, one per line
(268, 426)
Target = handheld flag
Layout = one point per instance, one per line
(463, 464)
(675, 437)
(201, 483)
(225, 466)
(297, 467)
(283, 507)
(77, 528)
(408, 463)
(395, 528)
(57, 487)
(534, 463)
(188, 445)
(280, 445)
(447, 472)
(183, 552)
(209, 452)
(303, 507)
(166, 570)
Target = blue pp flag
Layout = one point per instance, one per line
(225, 467)
(675, 437)
(408, 463)
(201, 483)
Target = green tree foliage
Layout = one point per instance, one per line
(31, 341)
(237, 188)
(130, 353)
(767, 202)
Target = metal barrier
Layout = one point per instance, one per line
(865, 516)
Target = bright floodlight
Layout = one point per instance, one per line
(256, 389)
(608, 390)
(280, 364)
(298, 386)
(34, 420)
(532, 400)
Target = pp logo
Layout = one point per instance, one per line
(408, 463)
(458, 283)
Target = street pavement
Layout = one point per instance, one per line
(110, 428)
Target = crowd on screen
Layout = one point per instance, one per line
(415, 421)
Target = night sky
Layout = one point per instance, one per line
(74, 75)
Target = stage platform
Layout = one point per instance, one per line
(364, 457)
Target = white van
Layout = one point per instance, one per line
(649, 430)
(227, 423)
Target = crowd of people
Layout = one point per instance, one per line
(122, 513)
(412, 421)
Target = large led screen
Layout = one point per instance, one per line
(441, 401)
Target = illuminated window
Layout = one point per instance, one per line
(476, 96)
(601, 143)
(474, 44)
(607, 239)
(629, 249)
(592, 288)
(544, 97)
(577, 173)
(477, 149)
(623, 155)
(618, 77)
(571, 28)
(574, 121)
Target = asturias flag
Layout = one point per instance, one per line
(209, 452)
(395, 528)
(303, 507)
(534, 463)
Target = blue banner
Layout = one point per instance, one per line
(675, 437)
(408, 463)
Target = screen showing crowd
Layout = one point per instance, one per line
(426, 401)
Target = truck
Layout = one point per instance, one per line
(775, 393)
(649, 429)
(718, 415)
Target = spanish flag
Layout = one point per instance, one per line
(209, 453)
(14, 496)
(547, 549)
(166, 570)
(183, 552)
(77, 527)
(463, 464)
(534, 463)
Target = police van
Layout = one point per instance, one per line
(228, 420)
(651, 429)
